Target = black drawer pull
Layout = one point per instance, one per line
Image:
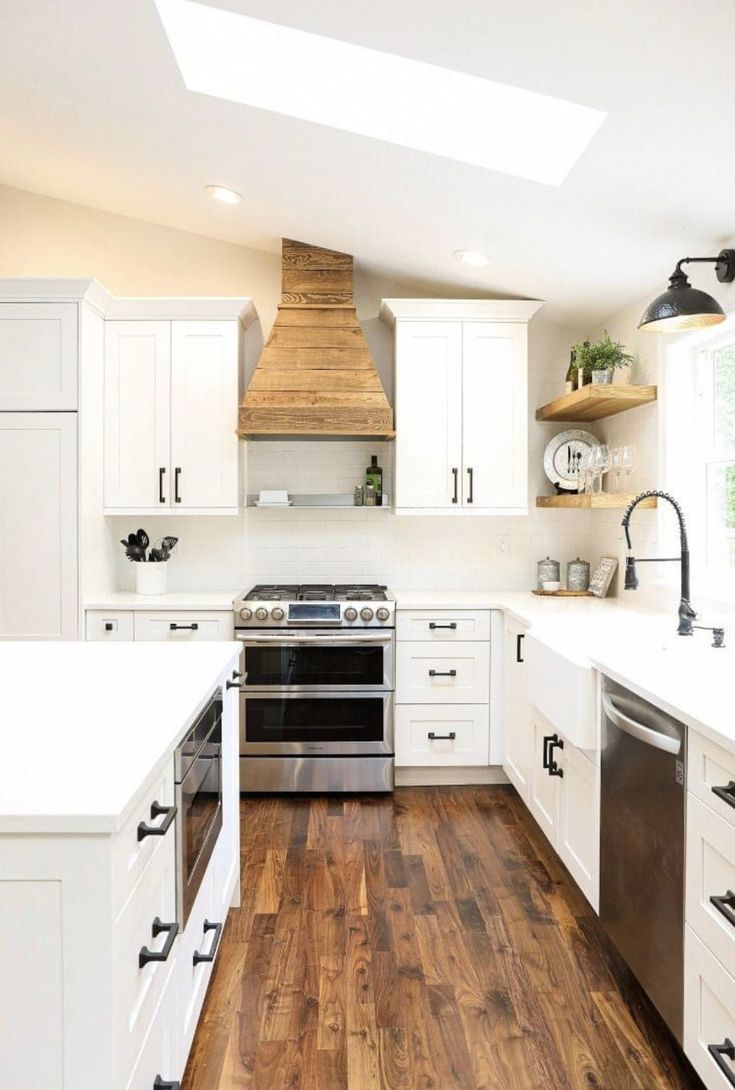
(237, 677)
(433, 625)
(471, 494)
(217, 928)
(442, 737)
(455, 474)
(177, 475)
(442, 673)
(519, 656)
(184, 627)
(727, 794)
(725, 905)
(718, 1052)
(161, 497)
(547, 739)
(145, 830)
(553, 767)
(161, 1084)
(157, 928)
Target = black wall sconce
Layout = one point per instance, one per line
(683, 307)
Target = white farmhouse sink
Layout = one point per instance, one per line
(562, 686)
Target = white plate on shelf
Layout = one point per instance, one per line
(263, 503)
(563, 457)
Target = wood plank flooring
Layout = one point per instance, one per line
(425, 941)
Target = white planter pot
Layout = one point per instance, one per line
(602, 378)
(151, 578)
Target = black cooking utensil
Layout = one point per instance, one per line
(155, 556)
(142, 539)
(168, 543)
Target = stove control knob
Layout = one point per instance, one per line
(350, 614)
(246, 614)
(261, 613)
(277, 613)
(383, 614)
(366, 614)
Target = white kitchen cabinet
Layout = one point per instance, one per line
(544, 778)
(710, 873)
(442, 673)
(170, 418)
(38, 357)
(517, 749)
(495, 415)
(579, 820)
(204, 392)
(709, 1014)
(428, 406)
(443, 624)
(38, 526)
(461, 405)
(137, 422)
(429, 735)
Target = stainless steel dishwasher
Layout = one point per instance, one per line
(642, 844)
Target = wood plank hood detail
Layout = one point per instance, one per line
(316, 375)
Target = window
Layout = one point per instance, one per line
(699, 419)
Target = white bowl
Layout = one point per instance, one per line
(551, 585)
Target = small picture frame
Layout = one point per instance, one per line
(603, 576)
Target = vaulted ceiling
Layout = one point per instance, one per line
(93, 110)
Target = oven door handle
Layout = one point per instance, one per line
(288, 640)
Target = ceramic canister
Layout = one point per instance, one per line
(548, 571)
(578, 575)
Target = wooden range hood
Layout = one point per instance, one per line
(316, 375)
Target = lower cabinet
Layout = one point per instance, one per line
(564, 799)
(171, 626)
(517, 709)
(709, 1015)
(427, 735)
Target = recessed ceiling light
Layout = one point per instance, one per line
(380, 95)
(471, 257)
(222, 193)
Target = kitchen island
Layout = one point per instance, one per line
(103, 979)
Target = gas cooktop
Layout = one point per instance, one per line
(315, 605)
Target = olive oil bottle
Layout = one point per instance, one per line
(374, 476)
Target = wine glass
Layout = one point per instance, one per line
(626, 464)
(600, 465)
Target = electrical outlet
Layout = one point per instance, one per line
(501, 546)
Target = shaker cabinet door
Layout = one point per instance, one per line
(428, 404)
(38, 526)
(38, 357)
(137, 415)
(494, 416)
(204, 389)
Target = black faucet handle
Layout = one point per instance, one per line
(718, 634)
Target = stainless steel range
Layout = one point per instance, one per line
(316, 709)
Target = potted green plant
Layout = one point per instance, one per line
(599, 360)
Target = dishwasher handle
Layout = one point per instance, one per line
(637, 730)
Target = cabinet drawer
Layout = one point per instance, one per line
(709, 1012)
(711, 767)
(710, 872)
(110, 626)
(445, 625)
(130, 855)
(183, 627)
(137, 989)
(192, 980)
(159, 1055)
(442, 673)
(469, 723)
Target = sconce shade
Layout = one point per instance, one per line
(681, 307)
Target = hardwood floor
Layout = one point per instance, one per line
(425, 941)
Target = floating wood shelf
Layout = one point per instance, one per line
(588, 500)
(596, 402)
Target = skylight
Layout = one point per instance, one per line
(379, 95)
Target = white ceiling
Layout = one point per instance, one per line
(93, 110)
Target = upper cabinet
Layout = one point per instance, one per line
(170, 416)
(38, 357)
(461, 405)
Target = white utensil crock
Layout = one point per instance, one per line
(151, 578)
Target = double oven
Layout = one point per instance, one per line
(316, 708)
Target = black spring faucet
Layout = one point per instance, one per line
(687, 614)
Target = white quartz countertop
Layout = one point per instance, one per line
(180, 599)
(683, 675)
(84, 725)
